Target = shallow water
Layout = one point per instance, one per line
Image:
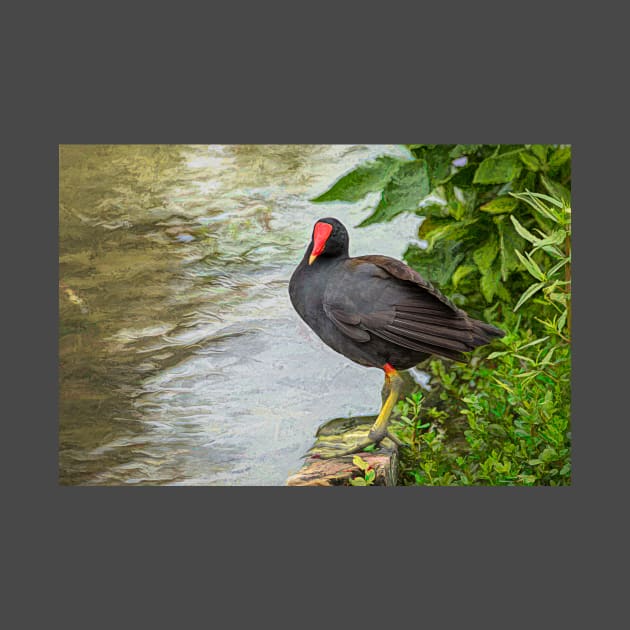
(182, 361)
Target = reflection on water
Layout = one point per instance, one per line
(181, 359)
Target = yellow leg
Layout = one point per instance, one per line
(379, 429)
(394, 382)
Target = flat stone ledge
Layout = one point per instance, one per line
(339, 435)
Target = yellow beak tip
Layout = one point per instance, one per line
(311, 259)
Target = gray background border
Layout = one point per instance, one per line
(95, 557)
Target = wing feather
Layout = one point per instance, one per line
(396, 304)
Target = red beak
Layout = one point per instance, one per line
(320, 236)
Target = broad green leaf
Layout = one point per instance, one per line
(408, 186)
(461, 272)
(560, 156)
(439, 166)
(528, 294)
(463, 149)
(364, 179)
(484, 256)
(438, 161)
(500, 205)
(530, 161)
(370, 476)
(439, 264)
(490, 282)
(359, 462)
(498, 170)
(540, 151)
(434, 230)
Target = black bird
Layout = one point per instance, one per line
(378, 312)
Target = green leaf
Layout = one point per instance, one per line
(509, 243)
(364, 179)
(531, 266)
(562, 320)
(359, 462)
(533, 343)
(540, 151)
(490, 282)
(525, 233)
(437, 265)
(437, 230)
(557, 267)
(433, 210)
(557, 190)
(559, 157)
(527, 479)
(370, 475)
(438, 161)
(407, 187)
(484, 256)
(528, 294)
(500, 205)
(434, 224)
(530, 161)
(463, 149)
(461, 272)
(498, 170)
(547, 358)
(358, 481)
(548, 454)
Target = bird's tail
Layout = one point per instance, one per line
(484, 333)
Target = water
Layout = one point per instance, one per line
(182, 361)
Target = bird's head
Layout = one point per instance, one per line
(330, 239)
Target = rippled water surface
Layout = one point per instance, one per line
(182, 361)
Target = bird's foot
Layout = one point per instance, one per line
(373, 439)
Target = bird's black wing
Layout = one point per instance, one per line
(381, 296)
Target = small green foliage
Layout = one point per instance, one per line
(369, 474)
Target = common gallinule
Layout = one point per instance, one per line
(378, 312)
